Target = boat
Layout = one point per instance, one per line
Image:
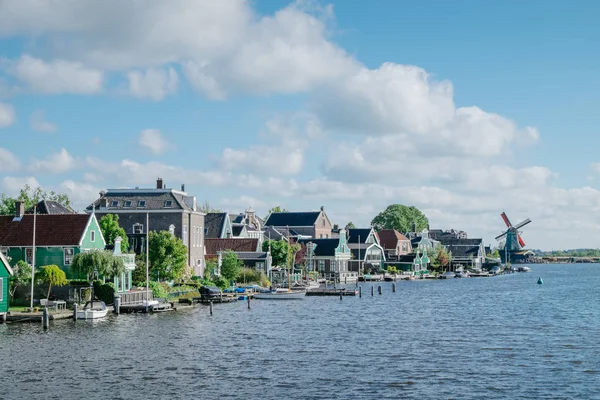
(280, 294)
(523, 268)
(310, 285)
(93, 310)
(448, 275)
(461, 273)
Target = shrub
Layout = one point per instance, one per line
(251, 275)
(104, 291)
(159, 290)
(221, 282)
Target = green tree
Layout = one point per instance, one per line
(168, 256)
(276, 209)
(97, 263)
(209, 269)
(231, 266)
(440, 257)
(109, 225)
(53, 276)
(350, 225)
(138, 276)
(30, 197)
(21, 277)
(279, 251)
(400, 218)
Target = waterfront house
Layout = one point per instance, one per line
(465, 252)
(302, 225)
(217, 225)
(367, 253)
(247, 250)
(394, 244)
(329, 257)
(247, 225)
(5, 274)
(123, 283)
(50, 207)
(165, 208)
(58, 237)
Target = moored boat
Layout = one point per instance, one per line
(448, 275)
(280, 294)
(93, 310)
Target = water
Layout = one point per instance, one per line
(495, 338)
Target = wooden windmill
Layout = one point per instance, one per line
(513, 241)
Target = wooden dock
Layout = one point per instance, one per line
(332, 292)
(141, 308)
(221, 298)
(37, 316)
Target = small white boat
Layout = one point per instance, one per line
(523, 268)
(281, 294)
(461, 273)
(448, 275)
(92, 310)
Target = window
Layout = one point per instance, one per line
(138, 228)
(323, 222)
(321, 265)
(68, 256)
(193, 236)
(92, 236)
(198, 262)
(168, 203)
(184, 235)
(142, 203)
(404, 246)
(205, 231)
(1, 288)
(114, 203)
(127, 204)
(29, 256)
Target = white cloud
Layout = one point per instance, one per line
(58, 76)
(11, 185)
(7, 115)
(56, 163)
(152, 139)
(81, 194)
(153, 84)
(39, 122)
(8, 161)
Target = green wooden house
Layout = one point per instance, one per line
(5, 273)
(58, 238)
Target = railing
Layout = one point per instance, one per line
(134, 297)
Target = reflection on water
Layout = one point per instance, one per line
(501, 337)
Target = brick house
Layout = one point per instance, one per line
(394, 243)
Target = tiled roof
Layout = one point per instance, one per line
(273, 234)
(325, 247)
(251, 255)
(389, 238)
(50, 230)
(212, 246)
(356, 233)
(213, 224)
(51, 207)
(462, 242)
(156, 199)
(292, 218)
(237, 229)
(463, 251)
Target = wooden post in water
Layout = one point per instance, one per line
(379, 289)
(248, 297)
(341, 293)
(345, 279)
(372, 290)
(394, 287)
(210, 307)
(45, 318)
(75, 311)
(117, 304)
(359, 292)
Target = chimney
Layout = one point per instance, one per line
(19, 208)
(322, 208)
(159, 183)
(183, 187)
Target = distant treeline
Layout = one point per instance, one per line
(569, 253)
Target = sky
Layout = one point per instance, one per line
(462, 109)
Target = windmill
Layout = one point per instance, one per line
(513, 242)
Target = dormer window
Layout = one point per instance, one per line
(142, 203)
(114, 203)
(168, 203)
(127, 204)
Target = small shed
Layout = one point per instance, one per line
(5, 274)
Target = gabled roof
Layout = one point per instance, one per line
(50, 207)
(355, 234)
(212, 245)
(292, 219)
(156, 199)
(325, 247)
(273, 234)
(463, 251)
(51, 230)
(389, 238)
(237, 229)
(448, 241)
(213, 224)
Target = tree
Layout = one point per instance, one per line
(350, 225)
(440, 257)
(30, 197)
(231, 265)
(109, 225)
(138, 276)
(401, 218)
(279, 251)
(207, 208)
(276, 209)
(209, 269)
(53, 276)
(21, 277)
(168, 256)
(97, 263)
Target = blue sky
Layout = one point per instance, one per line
(463, 109)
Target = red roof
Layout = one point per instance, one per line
(388, 238)
(213, 245)
(50, 230)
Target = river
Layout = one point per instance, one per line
(504, 337)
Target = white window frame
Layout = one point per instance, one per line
(321, 265)
(141, 203)
(71, 255)
(127, 204)
(168, 204)
(184, 235)
(114, 203)
(29, 260)
(92, 236)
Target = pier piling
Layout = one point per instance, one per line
(379, 289)
(117, 304)
(341, 293)
(248, 297)
(394, 287)
(360, 291)
(372, 290)
(45, 318)
(210, 307)
(75, 311)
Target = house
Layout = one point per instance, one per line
(50, 207)
(330, 257)
(465, 252)
(259, 260)
(217, 225)
(302, 225)
(367, 253)
(421, 240)
(163, 209)
(124, 282)
(58, 237)
(5, 274)
(247, 225)
(394, 243)
(247, 250)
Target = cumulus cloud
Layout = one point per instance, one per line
(7, 115)
(8, 161)
(153, 84)
(39, 122)
(55, 163)
(11, 185)
(152, 139)
(55, 77)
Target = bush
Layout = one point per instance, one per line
(221, 282)
(251, 275)
(104, 291)
(159, 290)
